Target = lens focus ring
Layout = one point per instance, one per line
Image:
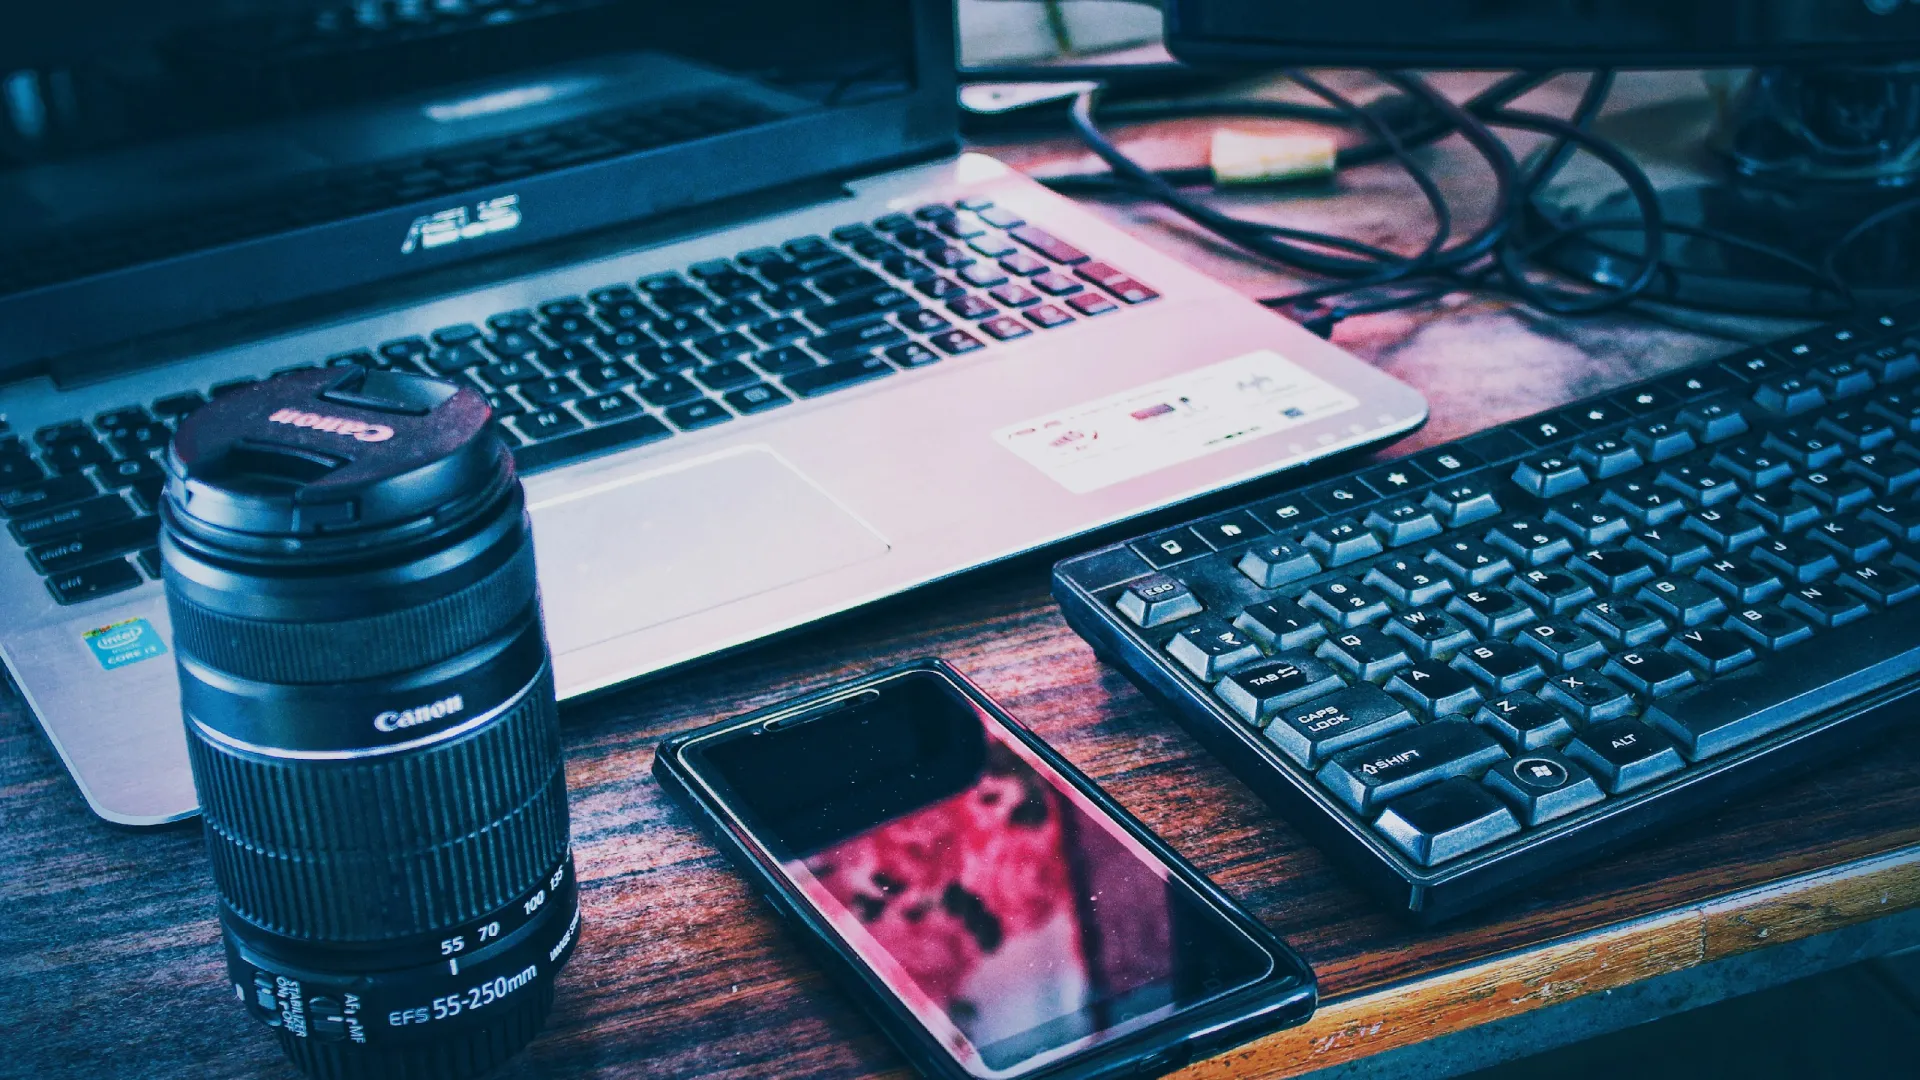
(368, 647)
(393, 846)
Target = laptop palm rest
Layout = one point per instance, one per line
(636, 551)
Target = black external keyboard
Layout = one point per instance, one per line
(621, 367)
(1462, 670)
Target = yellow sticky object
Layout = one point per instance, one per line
(1248, 157)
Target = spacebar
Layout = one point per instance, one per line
(1807, 680)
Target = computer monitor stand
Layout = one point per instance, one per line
(1803, 155)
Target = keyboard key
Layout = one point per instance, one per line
(1700, 485)
(1523, 722)
(1470, 561)
(1768, 627)
(859, 309)
(1542, 785)
(1824, 605)
(1713, 421)
(697, 414)
(757, 398)
(1433, 689)
(1806, 447)
(1613, 569)
(1565, 646)
(1531, 543)
(1625, 754)
(1051, 282)
(1091, 304)
(857, 341)
(1372, 773)
(1211, 648)
(569, 444)
(1889, 472)
(1047, 244)
(1364, 653)
(1789, 395)
(1650, 672)
(88, 582)
(1046, 316)
(1891, 362)
(1841, 378)
(1281, 626)
(80, 549)
(1754, 464)
(983, 275)
(73, 454)
(30, 500)
(1006, 327)
(956, 342)
(604, 408)
(1856, 429)
(1740, 580)
(1899, 517)
(1549, 475)
(1606, 457)
(1430, 632)
(1402, 522)
(726, 375)
(1341, 541)
(1256, 692)
(1795, 558)
(1313, 728)
(51, 523)
(1851, 539)
(1660, 441)
(1880, 581)
(1413, 583)
(1713, 650)
(1461, 503)
(1623, 622)
(1493, 612)
(1645, 503)
(911, 354)
(1589, 521)
(546, 424)
(1445, 821)
(1587, 694)
(1726, 530)
(130, 471)
(1157, 599)
(1501, 666)
(830, 377)
(1345, 601)
(1835, 492)
(1274, 562)
(1672, 549)
(1681, 600)
(1551, 590)
(550, 392)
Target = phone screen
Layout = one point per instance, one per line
(1015, 919)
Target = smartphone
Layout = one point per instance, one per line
(988, 905)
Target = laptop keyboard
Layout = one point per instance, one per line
(1465, 668)
(623, 366)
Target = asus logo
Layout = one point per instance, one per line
(462, 223)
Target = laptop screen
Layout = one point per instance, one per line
(133, 132)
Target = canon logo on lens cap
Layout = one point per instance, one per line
(338, 425)
(439, 710)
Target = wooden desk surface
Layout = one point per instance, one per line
(109, 958)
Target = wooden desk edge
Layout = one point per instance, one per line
(1611, 956)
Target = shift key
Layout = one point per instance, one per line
(86, 514)
(1370, 774)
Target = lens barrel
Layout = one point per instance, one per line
(370, 720)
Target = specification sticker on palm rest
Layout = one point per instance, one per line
(1188, 416)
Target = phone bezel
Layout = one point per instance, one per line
(1286, 996)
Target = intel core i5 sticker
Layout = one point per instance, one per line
(1178, 419)
(129, 641)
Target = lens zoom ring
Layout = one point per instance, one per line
(323, 652)
(393, 846)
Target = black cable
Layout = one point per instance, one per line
(1830, 261)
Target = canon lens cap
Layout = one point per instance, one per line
(331, 451)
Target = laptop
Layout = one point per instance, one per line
(767, 345)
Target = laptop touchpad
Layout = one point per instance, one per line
(638, 551)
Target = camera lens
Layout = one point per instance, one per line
(370, 719)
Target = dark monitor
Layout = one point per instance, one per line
(1542, 33)
(164, 164)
